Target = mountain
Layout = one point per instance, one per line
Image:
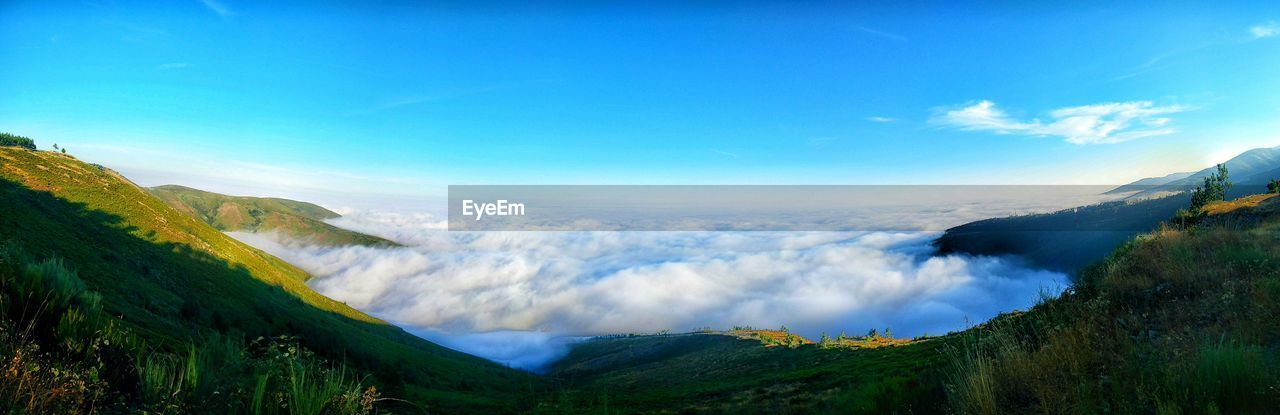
(173, 282)
(1252, 168)
(1150, 182)
(297, 220)
(1180, 320)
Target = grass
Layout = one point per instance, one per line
(1179, 321)
(298, 220)
(737, 373)
(171, 278)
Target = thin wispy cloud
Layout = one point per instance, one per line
(411, 100)
(217, 7)
(1104, 123)
(1265, 30)
(820, 142)
(881, 33)
(172, 66)
(724, 153)
(881, 119)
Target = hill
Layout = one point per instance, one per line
(298, 220)
(731, 372)
(173, 282)
(1176, 321)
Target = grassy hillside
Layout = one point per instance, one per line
(300, 220)
(735, 373)
(1177, 321)
(171, 280)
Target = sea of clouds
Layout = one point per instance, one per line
(522, 298)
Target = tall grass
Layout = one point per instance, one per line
(61, 353)
(1230, 376)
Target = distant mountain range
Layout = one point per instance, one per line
(1249, 169)
(298, 220)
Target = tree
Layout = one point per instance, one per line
(1213, 189)
(1273, 186)
(888, 333)
(825, 342)
(10, 140)
(872, 333)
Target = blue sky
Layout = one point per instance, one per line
(389, 98)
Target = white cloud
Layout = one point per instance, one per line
(1087, 124)
(472, 290)
(217, 7)
(1265, 30)
(172, 66)
(881, 119)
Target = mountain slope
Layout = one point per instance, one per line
(172, 278)
(724, 373)
(1066, 240)
(297, 220)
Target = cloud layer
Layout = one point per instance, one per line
(1087, 124)
(516, 297)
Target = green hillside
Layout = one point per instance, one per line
(173, 281)
(299, 220)
(732, 373)
(1177, 321)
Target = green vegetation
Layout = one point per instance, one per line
(298, 220)
(736, 373)
(10, 140)
(171, 281)
(64, 354)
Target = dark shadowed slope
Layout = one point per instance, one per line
(172, 278)
(298, 220)
(1066, 240)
